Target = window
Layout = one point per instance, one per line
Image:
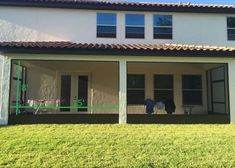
(135, 89)
(134, 26)
(106, 25)
(163, 87)
(231, 28)
(192, 89)
(162, 26)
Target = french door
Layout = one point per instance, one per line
(74, 92)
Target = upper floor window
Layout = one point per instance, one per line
(162, 26)
(106, 25)
(231, 28)
(134, 26)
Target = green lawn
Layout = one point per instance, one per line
(117, 146)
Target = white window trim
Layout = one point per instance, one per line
(106, 25)
(134, 26)
(163, 89)
(135, 88)
(163, 26)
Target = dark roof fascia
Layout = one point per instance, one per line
(117, 7)
(116, 52)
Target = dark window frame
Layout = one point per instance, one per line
(200, 90)
(106, 35)
(163, 35)
(136, 89)
(170, 89)
(132, 35)
(229, 38)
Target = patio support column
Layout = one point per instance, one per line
(231, 82)
(5, 68)
(122, 92)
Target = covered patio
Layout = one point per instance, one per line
(84, 88)
(60, 86)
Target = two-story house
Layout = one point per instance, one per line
(97, 57)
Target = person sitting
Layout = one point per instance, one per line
(170, 106)
(149, 105)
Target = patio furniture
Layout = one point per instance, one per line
(38, 105)
(188, 109)
(160, 108)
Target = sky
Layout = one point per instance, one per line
(227, 2)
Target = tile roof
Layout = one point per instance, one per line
(71, 45)
(101, 2)
(115, 5)
(116, 49)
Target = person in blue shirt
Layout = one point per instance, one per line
(149, 105)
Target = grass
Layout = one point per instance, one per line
(117, 146)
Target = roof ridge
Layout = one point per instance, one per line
(124, 5)
(127, 2)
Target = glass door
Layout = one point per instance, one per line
(65, 92)
(83, 91)
(74, 92)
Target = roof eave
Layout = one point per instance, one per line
(117, 52)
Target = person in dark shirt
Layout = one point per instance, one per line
(170, 106)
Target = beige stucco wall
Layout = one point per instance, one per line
(44, 24)
(43, 81)
(231, 84)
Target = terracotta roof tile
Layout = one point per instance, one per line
(91, 46)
